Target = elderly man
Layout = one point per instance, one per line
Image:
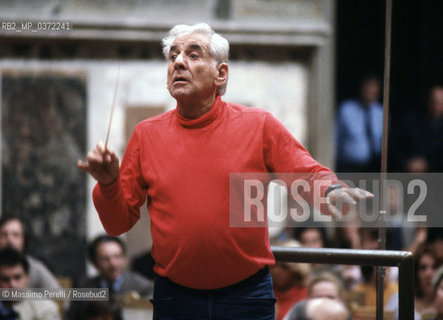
(181, 161)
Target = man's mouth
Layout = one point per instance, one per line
(179, 80)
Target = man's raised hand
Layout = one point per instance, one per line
(102, 164)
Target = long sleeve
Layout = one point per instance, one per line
(118, 204)
(285, 156)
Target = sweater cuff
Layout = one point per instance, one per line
(110, 190)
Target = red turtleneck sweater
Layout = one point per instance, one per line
(182, 167)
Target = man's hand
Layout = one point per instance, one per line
(102, 164)
(345, 197)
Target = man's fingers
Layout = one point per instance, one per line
(100, 147)
(83, 166)
(103, 153)
(335, 211)
(363, 194)
(348, 198)
(93, 157)
(359, 194)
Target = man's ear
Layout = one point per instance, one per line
(222, 74)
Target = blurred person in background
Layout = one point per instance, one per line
(359, 128)
(108, 255)
(438, 294)
(14, 274)
(13, 235)
(417, 141)
(368, 288)
(102, 310)
(318, 309)
(326, 285)
(312, 236)
(289, 282)
(426, 263)
(347, 236)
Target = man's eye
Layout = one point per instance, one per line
(193, 56)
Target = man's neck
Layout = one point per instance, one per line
(195, 109)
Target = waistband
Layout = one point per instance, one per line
(256, 278)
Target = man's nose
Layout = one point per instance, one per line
(179, 61)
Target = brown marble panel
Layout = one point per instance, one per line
(43, 135)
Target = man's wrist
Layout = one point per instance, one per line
(333, 187)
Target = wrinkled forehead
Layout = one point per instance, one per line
(192, 40)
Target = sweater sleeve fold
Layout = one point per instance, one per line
(291, 162)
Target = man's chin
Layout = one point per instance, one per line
(179, 94)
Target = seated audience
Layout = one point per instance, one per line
(312, 237)
(325, 285)
(318, 309)
(369, 241)
(13, 235)
(348, 237)
(108, 255)
(14, 274)
(289, 282)
(368, 287)
(432, 237)
(102, 310)
(425, 265)
(435, 241)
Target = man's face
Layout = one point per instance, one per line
(110, 260)
(436, 102)
(370, 91)
(13, 277)
(282, 277)
(191, 73)
(426, 270)
(325, 289)
(12, 235)
(311, 238)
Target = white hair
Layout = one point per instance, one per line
(218, 46)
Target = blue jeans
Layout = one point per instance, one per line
(249, 299)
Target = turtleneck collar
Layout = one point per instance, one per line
(204, 120)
